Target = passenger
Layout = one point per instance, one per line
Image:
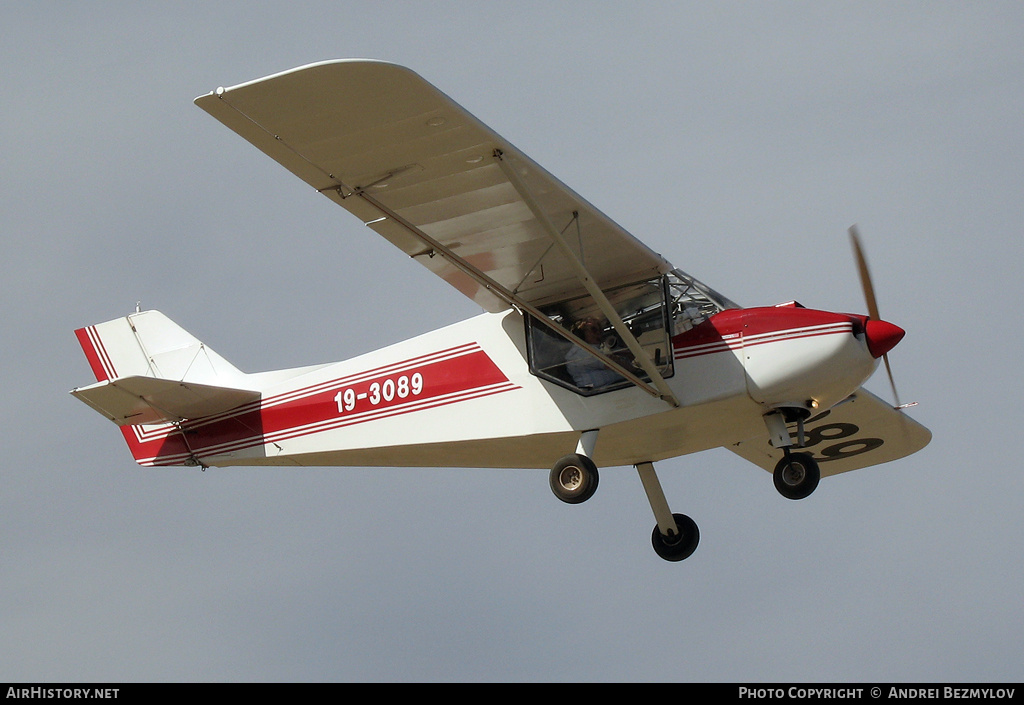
(586, 370)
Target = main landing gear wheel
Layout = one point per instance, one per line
(574, 478)
(678, 546)
(796, 475)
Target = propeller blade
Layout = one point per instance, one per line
(865, 275)
(869, 297)
(892, 380)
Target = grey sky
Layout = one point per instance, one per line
(738, 139)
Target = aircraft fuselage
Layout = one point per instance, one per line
(462, 396)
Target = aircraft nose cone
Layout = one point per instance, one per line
(882, 336)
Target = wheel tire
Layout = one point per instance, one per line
(796, 475)
(574, 479)
(680, 546)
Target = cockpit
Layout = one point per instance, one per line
(576, 343)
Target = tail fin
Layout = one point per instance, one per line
(149, 370)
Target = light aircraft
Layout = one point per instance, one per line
(592, 350)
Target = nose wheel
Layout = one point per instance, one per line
(796, 475)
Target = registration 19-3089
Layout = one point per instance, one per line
(381, 391)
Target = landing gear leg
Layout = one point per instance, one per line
(796, 476)
(675, 536)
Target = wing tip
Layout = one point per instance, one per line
(326, 64)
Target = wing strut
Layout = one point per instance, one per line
(626, 335)
(510, 297)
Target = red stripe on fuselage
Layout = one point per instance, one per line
(427, 381)
(736, 328)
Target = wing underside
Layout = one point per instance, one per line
(860, 432)
(432, 179)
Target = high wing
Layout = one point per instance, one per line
(862, 431)
(444, 188)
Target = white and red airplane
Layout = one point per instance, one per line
(592, 351)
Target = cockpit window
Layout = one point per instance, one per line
(641, 306)
(653, 310)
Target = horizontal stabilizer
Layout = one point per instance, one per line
(138, 400)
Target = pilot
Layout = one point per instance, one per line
(586, 370)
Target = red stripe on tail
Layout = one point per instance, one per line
(92, 354)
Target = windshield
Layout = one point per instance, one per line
(692, 302)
